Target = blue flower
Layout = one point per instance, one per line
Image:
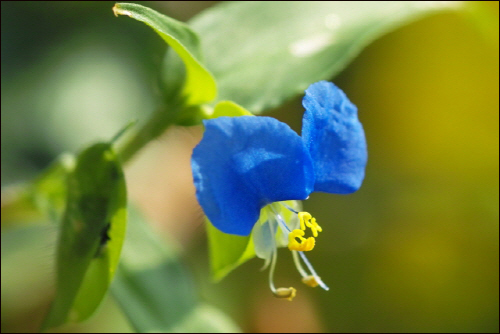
(244, 164)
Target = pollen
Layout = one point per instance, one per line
(303, 245)
(285, 293)
(296, 240)
(306, 220)
(310, 281)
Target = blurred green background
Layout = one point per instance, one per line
(415, 250)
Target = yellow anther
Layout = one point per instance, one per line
(308, 245)
(286, 293)
(313, 225)
(310, 281)
(293, 244)
(306, 220)
(303, 218)
(304, 244)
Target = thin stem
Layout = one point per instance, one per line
(162, 118)
(298, 265)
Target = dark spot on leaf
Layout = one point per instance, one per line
(104, 240)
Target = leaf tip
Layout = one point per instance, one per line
(118, 11)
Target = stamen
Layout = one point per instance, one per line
(303, 245)
(313, 225)
(297, 247)
(287, 293)
(304, 216)
(310, 281)
(313, 272)
(306, 220)
(298, 265)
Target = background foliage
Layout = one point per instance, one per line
(416, 249)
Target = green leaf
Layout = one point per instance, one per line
(199, 85)
(194, 115)
(263, 53)
(18, 208)
(229, 108)
(155, 291)
(46, 195)
(49, 190)
(227, 251)
(91, 235)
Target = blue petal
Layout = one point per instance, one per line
(242, 164)
(335, 139)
